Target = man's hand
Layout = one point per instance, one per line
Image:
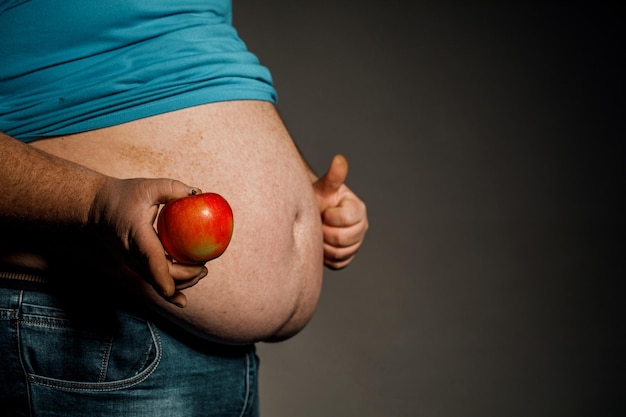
(344, 215)
(128, 208)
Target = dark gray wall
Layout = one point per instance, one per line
(488, 144)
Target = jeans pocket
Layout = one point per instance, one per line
(58, 353)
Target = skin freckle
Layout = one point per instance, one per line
(143, 159)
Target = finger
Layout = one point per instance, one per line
(338, 265)
(337, 259)
(339, 256)
(343, 237)
(182, 272)
(340, 253)
(179, 299)
(334, 177)
(186, 276)
(181, 285)
(348, 212)
(147, 245)
(159, 270)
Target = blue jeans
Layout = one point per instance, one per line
(60, 362)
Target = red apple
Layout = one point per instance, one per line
(197, 228)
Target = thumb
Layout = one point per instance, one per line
(168, 190)
(334, 177)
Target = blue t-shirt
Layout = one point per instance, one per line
(68, 66)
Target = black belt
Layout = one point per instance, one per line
(22, 280)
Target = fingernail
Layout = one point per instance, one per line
(167, 292)
(203, 273)
(179, 302)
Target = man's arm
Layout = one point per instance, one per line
(42, 189)
(45, 191)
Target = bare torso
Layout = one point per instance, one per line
(271, 272)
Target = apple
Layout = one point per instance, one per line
(197, 228)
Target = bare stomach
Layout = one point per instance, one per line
(267, 283)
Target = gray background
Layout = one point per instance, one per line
(487, 142)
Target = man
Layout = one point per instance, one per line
(128, 107)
